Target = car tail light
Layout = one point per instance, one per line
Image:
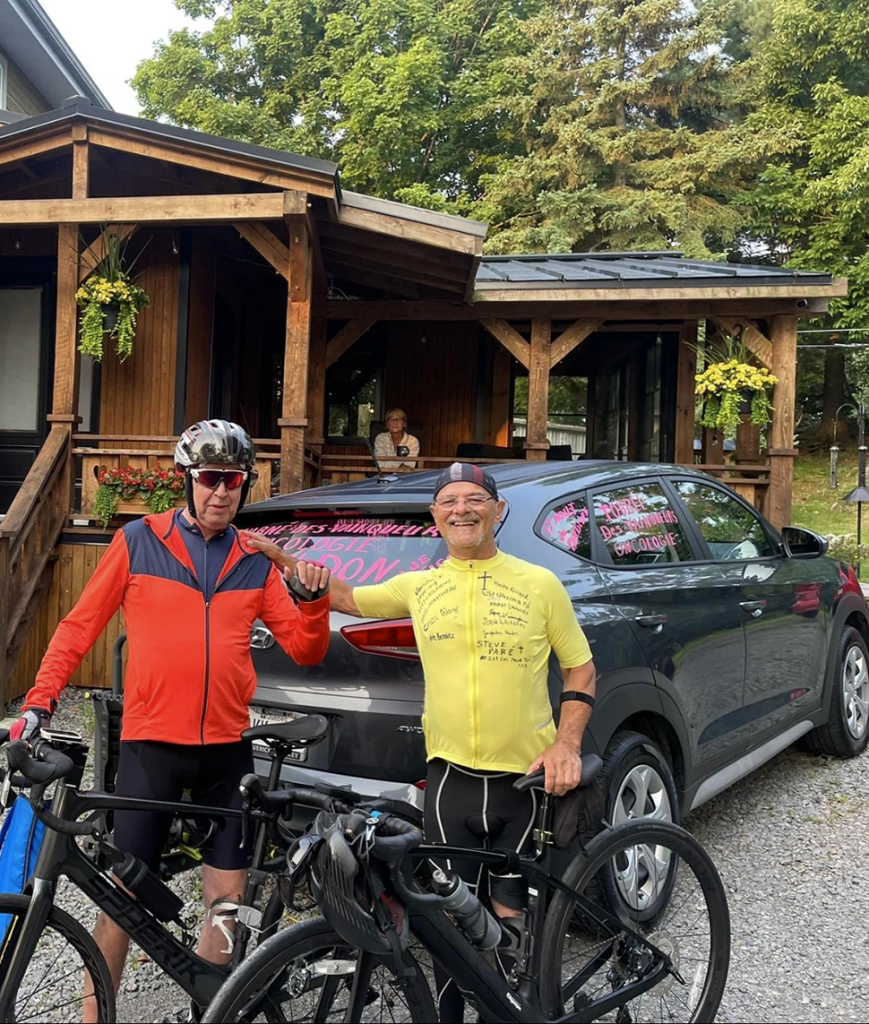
(393, 639)
(420, 784)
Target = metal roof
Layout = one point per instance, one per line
(31, 39)
(629, 269)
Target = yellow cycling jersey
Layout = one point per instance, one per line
(484, 630)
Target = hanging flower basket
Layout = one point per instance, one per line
(109, 308)
(132, 489)
(732, 389)
(109, 301)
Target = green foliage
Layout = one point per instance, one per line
(411, 97)
(158, 488)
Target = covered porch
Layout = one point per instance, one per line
(305, 312)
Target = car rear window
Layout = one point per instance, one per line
(361, 549)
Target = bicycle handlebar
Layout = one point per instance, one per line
(48, 765)
(591, 765)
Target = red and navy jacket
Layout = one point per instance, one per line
(189, 675)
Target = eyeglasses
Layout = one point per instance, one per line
(476, 501)
(213, 478)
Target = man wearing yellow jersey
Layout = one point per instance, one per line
(485, 625)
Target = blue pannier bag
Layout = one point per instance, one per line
(20, 838)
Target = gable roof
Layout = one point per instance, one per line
(33, 42)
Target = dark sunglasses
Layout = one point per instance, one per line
(213, 478)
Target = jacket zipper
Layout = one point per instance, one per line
(208, 635)
(475, 709)
(204, 586)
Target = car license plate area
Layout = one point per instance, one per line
(274, 716)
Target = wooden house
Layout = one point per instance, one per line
(304, 311)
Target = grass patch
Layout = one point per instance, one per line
(819, 507)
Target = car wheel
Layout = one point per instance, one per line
(637, 782)
(846, 731)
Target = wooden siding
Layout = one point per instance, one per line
(434, 381)
(74, 567)
(137, 397)
(22, 96)
(32, 242)
(202, 280)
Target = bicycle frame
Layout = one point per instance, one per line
(60, 856)
(497, 1000)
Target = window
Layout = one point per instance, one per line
(639, 526)
(4, 75)
(20, 348)
(566, 527)
(352, 417)
(732, 532)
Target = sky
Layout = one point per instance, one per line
(110, 37)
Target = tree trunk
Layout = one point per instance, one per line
(834, 392)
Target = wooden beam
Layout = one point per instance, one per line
(91, 257)
(144, 209)
(236, 165)
(837, 288)
(783, 333)
(518, 309)
(346, 338)
(24, 149)
(502, 377)
(756, 341)
(685, 397)
(267, 244)
(568, 340)
(417, 260)
(511, 339)
(536, 442)
(298, 340)
(411, 230)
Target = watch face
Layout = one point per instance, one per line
(402, 449)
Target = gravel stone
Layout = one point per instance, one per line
(790, 842)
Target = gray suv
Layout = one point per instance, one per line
(718, 641)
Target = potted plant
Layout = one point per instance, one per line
(732, 387)
(158, 488)
(109, 300)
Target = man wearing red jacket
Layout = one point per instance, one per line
(190, 588)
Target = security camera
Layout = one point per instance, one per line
(802, 303)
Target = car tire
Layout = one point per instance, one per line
(846, 731)
(636, 781)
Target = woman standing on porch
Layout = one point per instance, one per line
(395, 448)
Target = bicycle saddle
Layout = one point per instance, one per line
(303, 732)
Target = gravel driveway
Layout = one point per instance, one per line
(790, 842)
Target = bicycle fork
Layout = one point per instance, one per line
(19, 944)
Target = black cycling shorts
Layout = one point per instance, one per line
(163, 771)
(480, 810)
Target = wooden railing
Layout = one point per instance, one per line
(749, 481)
(337, 468)
(28, 535)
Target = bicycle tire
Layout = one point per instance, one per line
(257, 990)
(60, 926)
(618, 845)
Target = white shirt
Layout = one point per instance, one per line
(384, 450)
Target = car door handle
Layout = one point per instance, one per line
(655, 622)
(754, 608)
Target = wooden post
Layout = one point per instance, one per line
(295, 397)
(783, 334)
(499, 424)
(536, 442)
(685, 397)
(316, 432)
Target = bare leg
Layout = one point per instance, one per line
(218, 884)
(114, 943)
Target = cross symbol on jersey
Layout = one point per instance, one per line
(484, 577)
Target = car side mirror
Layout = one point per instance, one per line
(801, 543)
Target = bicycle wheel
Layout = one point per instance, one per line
(593, 964)
(306, 973)
(52, 989)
